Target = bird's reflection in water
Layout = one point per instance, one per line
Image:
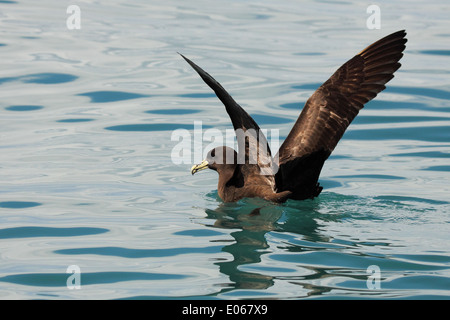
(251, 220)
(251, 223)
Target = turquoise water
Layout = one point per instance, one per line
(87, 179)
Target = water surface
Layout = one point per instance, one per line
(87, 177)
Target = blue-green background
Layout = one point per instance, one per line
(87, 177)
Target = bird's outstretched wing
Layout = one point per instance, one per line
(332, 107)
(254, 152)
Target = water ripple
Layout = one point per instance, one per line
(24, 108)
(19, 204)
(176, 112)
(32, 231)
(42, 78)
(422, 133)
(143, 127)
(88, 278)
(435, 52)
(138, 253)
(111, 96)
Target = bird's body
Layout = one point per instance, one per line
(294, 172)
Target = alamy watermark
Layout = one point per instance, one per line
(374, 279)
(74, 20)
(374, 20)
(74, 280)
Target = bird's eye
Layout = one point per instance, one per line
(213, 153)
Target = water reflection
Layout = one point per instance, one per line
(251, 223)
(296, 234)
(252, 220)
(302, 249)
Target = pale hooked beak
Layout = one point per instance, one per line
(199, 167)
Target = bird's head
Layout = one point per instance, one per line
(218, 159)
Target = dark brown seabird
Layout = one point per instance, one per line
(294, 172)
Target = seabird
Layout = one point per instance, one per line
(294, 172)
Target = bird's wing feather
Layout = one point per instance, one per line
(333, 106)
(256, 158)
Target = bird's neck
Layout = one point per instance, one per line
(224, 186)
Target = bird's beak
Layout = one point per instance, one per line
(199, 167)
